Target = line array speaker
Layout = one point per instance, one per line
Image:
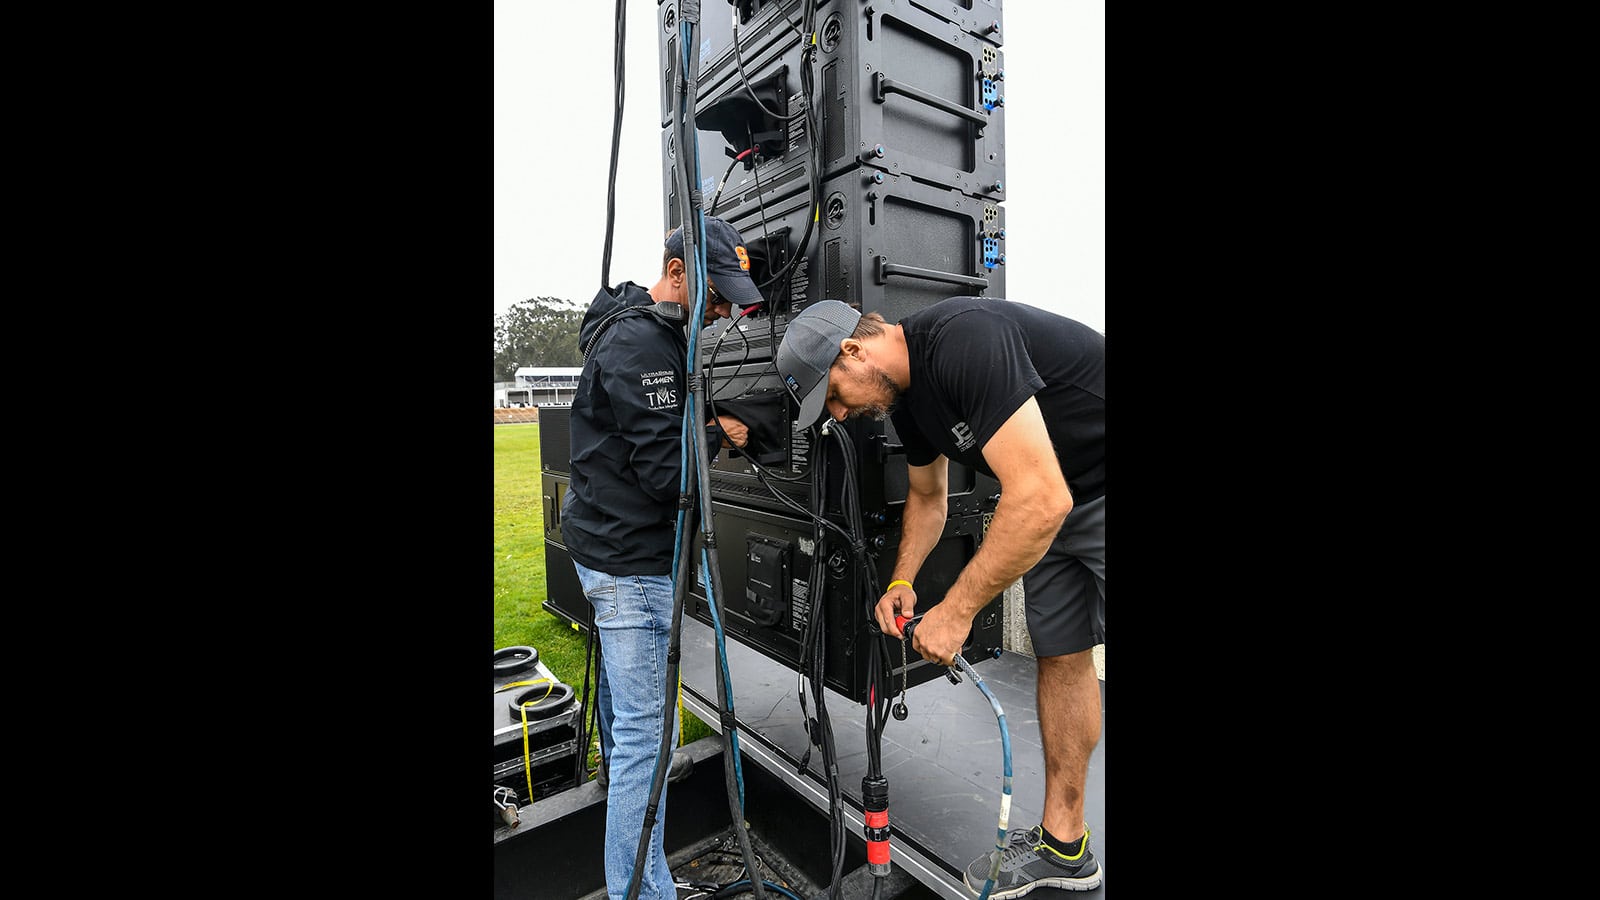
(909, 164)
(903, 89)
(766, 564)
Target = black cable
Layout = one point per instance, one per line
(766, 238)
(753, 149)
(874, 786)
(755, 169)
(761, 211)
(784, 276)
(812, 669)
(814, 132)
(691, 252)
(812, 672)
(591, 701)
(618, 74)
(740, 887)
(738, 57)
(697, 490)
(765, 475)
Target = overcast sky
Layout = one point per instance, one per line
(554, 104)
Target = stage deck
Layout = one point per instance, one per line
(944, 763)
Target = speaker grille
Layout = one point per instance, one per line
(555, 439)
(834, 128)
(837, 284)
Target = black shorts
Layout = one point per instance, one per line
(1065, 594)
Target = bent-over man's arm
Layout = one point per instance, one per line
(1034, 501)
(921, 523)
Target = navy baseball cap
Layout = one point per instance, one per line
(726, 261)
(810, 345)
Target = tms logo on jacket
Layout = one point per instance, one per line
(663, 398)
(659, 389)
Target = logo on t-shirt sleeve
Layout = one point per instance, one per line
(964, 437)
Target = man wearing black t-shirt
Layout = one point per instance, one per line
(1017, 393)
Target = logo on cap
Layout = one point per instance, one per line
(744, 258)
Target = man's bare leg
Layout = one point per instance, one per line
(1069, 728)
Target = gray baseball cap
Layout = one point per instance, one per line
(810, 345)
(726, 261)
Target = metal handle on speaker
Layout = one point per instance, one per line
(883, 85)
(884, 269)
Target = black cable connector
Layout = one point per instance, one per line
(875, 825)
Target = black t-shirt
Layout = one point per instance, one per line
(976, 360)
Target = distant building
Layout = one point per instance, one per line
(538, 386)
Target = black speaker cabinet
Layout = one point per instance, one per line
(908, 88)
(765, 562)
(563, 592)
(555, 439)
(885, 244)
(775, 476)
(553, 488)
(758, 22)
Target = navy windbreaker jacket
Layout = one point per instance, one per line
(620, 511)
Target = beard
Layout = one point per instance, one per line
(877, 412)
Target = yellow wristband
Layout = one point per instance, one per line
(899, 581)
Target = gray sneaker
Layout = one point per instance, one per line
(682, 768)
(1027, 863)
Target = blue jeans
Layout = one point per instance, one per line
(633, 617)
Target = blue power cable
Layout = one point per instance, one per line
(907, 626)
(692, 415)
(745, 883)
(1005, 794)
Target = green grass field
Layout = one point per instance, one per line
(520, 618)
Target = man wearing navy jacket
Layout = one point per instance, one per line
(619, 519)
